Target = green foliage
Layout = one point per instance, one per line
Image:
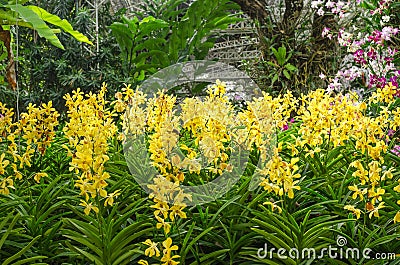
(281, 69)
(35, 17)
(138, 40)
(43, 223)
(9, 248)
(111, 240)
(170, 36)
(283, 231)
(192, 35)
(61, 23)
(48, 73)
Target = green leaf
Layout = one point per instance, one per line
(88, 230)
(272, 64)
(61, 23)
(274, 79)
(276, 241)
(29, 260)
(282, 55)
(82, 240)
(13, 2)
(21, 252)
(147, 27)
(274, 228)
(125, 257)
(290, 67)
(194, 240)
(211, 256)
(37, 23)
(286, 74)
(85, 253)
(9, 229)
(275, 52)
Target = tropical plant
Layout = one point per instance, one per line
(45, 76)
(281, 68)
(320, 178)
(9, 246)
(36, 18)
(168, 36)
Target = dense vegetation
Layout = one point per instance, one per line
(94, 171)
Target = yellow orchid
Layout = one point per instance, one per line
(152, 249)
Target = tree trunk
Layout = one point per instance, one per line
(255, 9)
(292, 9)
(323, 48)
(285, 30)
(289, 23)
(5, 37)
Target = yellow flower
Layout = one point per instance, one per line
(162, 208)
(26, 157)
(191, 154)
(110, 198)
(357, 192)
(143, 262)
(385, 94)
(18, 174)
(397, 217)
(168, 260)
(177, 210)
(354, 210)
(397, 188)
(374, 171)
(361, 173)
(168, 248)
(38, 176)
(83, 159)
(375, 195)
(88, 129)
(163, 224)
(312, 152)
(273, 206)
(118, 95)
(88, 207)
(85, 186)
(373, 210)
(152, 249)
(5, 184)
(292, 148)
(192, 164)
(388, 174)
(3, 163)
(289, 186)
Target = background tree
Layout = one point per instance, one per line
(287, 23)
(37, 20)
(47, 73)
(178, 32)
(168, 32)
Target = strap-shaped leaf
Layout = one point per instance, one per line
(61, 23)
(11, 259)
(37, 23)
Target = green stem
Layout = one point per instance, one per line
(101, 231)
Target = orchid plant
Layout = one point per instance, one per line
(368, 44)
